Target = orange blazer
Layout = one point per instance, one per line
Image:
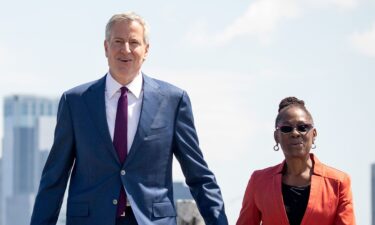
(330, 201)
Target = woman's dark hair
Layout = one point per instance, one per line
(288, 102)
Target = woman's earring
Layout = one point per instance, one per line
(276, 147)
(313, 146)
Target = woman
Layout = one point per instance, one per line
(301, 190)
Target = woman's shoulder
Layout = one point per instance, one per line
(268, 171)
(333, 173)
(330, 172)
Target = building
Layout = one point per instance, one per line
(1, 181)
(373, 193)
(187, 210)
(181, 191)
(28, 133)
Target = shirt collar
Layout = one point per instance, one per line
(134, 87)
(318, 168)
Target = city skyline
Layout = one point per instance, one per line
(373, 193)
(236, 60)
(28, 132)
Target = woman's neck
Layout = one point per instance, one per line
(297, 171)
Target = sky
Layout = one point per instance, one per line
(236, 60)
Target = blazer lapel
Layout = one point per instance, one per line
(278, 196)
(152, 98)
(95, 101)
(315, 191)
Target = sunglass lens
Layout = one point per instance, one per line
(286, 129)
(303, 127)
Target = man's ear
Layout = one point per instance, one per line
(146, 53)
(106, 48)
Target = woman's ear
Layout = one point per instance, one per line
(315, 133)
(276, 136)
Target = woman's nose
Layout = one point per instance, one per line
(295, 132)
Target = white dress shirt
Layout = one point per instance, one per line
(135, 97)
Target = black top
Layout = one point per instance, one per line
(295, 202)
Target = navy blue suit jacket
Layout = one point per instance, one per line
(83, 151)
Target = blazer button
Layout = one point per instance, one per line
(123, 172)
(114, 201)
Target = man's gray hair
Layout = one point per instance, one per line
(128, 16)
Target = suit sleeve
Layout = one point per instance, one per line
(249, 214)
(56, 171)
(345, 211)
(199, 178)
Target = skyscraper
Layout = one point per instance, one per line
(1, 181)
(187, 210)
(28, 130)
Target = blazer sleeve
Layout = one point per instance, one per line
(199, 178)
(345, 211)
(249, 214)
(56, 171)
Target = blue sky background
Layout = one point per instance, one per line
(237, 60)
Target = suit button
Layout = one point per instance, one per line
(123, 172)
(114, 201)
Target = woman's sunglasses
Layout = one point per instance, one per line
(302, 128)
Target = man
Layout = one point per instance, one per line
(116, 137)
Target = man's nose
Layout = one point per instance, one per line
(126, 47)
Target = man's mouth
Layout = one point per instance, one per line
(125, 60)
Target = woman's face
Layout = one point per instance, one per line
(295, 132)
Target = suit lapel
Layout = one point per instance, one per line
(315, 191)
(152, 98)
(278, 196)
(95, 101)
(315, 194)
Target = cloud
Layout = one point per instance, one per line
(341, 4)
(224, 121)
(3, 53)
(346, 4)
(364, 42)
(260, 20)
(216, 98)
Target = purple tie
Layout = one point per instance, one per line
(120, 140)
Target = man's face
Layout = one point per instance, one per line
(125, 50)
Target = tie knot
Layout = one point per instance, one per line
(123, 90)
